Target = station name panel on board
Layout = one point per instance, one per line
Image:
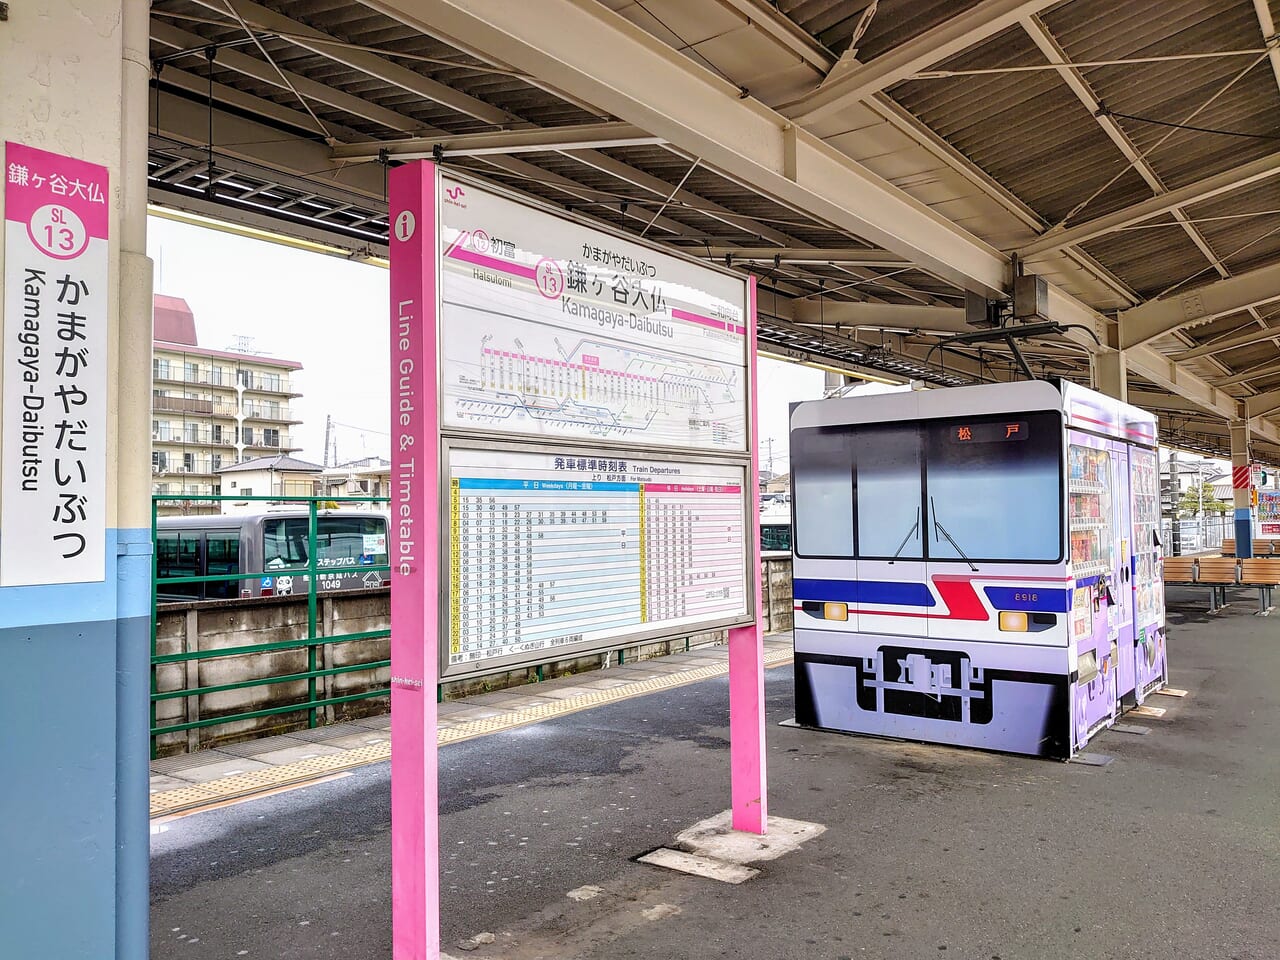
(614, 507)
(552, 329)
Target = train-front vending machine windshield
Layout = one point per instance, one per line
(978, 566)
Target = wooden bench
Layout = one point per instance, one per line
(1217, 573)
(1181, 570)
(1263, 573)
(1261, 548)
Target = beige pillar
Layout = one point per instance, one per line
(74, 657)
(1109, 374)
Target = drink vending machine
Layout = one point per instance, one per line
(979, 566)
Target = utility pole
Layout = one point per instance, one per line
(328, 426)
(768, 443)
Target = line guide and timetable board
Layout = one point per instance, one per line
(573, 471)
(585, 351)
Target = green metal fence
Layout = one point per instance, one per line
(312, 642)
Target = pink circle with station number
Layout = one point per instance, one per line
(58, 231)
(549, 278)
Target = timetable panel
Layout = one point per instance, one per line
(587, 551)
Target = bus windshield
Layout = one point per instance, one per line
(341, 541)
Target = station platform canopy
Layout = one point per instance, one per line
(872, 161)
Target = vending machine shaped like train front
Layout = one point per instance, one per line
(978, 566)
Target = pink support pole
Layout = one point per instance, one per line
(415, 575)
(746, 647)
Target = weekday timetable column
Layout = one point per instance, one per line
(536, 558)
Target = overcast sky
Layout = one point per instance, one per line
(330, 315)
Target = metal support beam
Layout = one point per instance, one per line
(169, 36)
(1110, 375)
(784, 32)
(860, 81)
(879, 316)
(1079, 86)
(522, 168)
(1223, 344)
(590, 136)
(315, 41)
(1256, 372)
(185, 121)
(1267, 24)
(1154, 400)
(1262, 404)
(267, 110)
(661, 190)
(1080, 262)
(1228, 180)
(645, 82)
(848, 256)
(1244, 514)
(1156, 318)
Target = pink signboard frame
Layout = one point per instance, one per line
(415, 579)
(415, 566)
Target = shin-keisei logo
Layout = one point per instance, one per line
(454, 196)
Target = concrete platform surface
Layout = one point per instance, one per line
(1171, 849)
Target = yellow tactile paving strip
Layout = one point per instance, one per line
(181, 799)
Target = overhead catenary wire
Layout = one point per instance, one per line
(1084, 64)
(1187, 126)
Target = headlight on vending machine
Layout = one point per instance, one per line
(1013, 621)
(835, 611)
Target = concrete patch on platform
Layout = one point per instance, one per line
(1132, 728)
(699, 866)
(1092, 759)
(715, 837)
(712, 848)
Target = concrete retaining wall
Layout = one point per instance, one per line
(226, 624)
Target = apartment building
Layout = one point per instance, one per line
(210, 409)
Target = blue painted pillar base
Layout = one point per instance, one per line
(74, 708)
(1244, 532)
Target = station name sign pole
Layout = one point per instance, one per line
(415, 569)
(573, 472)
(749, 784)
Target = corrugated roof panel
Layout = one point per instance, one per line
(707, 183)
(1028, 130)
(1150, 260)
(1252, 106)
(832, 22)
(1255, 356)
(1171, 91)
